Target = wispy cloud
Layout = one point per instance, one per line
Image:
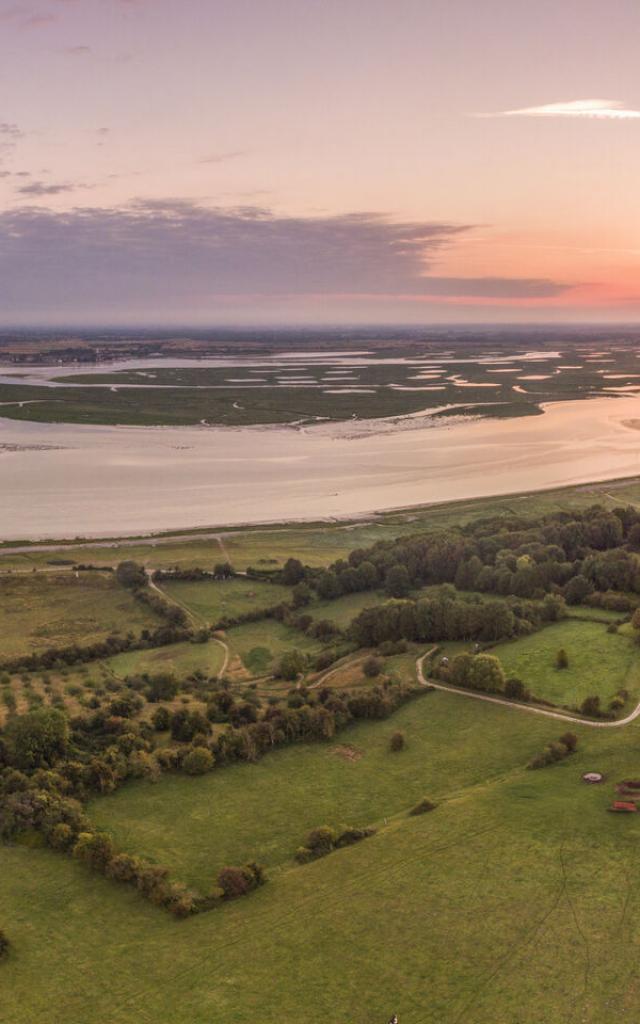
(41, 188)
(8, 130)
(602, 110)
(76, 51)
(26, 17)
(221, 158)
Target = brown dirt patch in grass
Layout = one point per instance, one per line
(347, 753)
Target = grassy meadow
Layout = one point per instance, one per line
(210, 600)
(514, 901)
(600, 663)
(56, 609)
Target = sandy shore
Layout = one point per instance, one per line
(60, 480)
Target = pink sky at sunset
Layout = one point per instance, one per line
(304, 161)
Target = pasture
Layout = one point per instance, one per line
(514, 901)
(38, 611)
(211, 600)
(600, 663)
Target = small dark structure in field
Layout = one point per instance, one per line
(623, 806)
(593, 777)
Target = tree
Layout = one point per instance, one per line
(487, 674)
(329, 586)
(577, 589)
(562, 658)
(397, 582)
(38, 739)
(515, 689)
(372, 667)
(4, 944)
(635, 619)
(292, 663)
(301, 595)
(223, 570)
(634, 537)
(198, 761)
(293, 572)
(162, 686)
(131, 575)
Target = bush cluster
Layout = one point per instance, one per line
(323, 840)
(555, 751)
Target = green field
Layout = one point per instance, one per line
(210, 600)
(39, 611)
(180, 659)
(600, 663)
(258, 644)
(513, 902)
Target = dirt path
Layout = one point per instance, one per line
(519, 707)
(343, 663)
(197, 620)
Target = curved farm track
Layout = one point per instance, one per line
(487, 698)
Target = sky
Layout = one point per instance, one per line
(319, 161)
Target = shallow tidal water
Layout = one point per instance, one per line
(59, 480)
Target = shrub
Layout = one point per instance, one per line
(372, 667)
(397, 742)
(162, 686)
(555, 751)
(321, 840)
(515, 689)
(61, 836)
(591, 706)
(4, 944)
(198, 761)
(570, 741)
(94, 849)
(349, 836)
(236, 882)
(423, 806)
(562, 659)
(161, 719)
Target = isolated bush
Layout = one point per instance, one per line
(423, 806)
(198, 761)
(372, 667)
(397, 742)
(562, 659)
(4, 944)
